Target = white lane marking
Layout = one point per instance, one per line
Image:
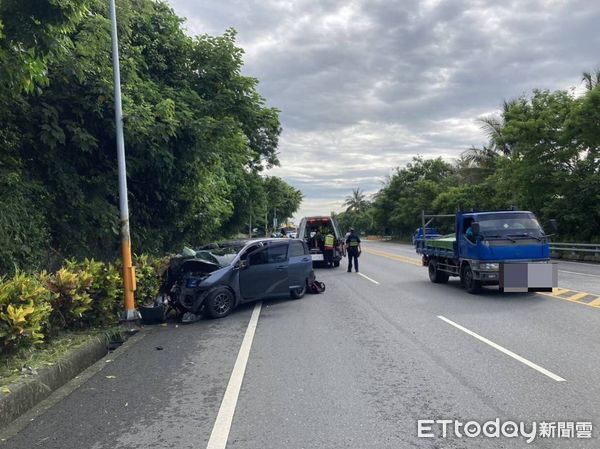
(567, 262)
(523, 360)
(368, 278)
(580, 274)
(220, 432)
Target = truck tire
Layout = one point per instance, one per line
(435, 275)
(469, 282)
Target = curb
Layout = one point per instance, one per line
(28, 393)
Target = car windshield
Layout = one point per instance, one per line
(509, 225)
(220, 254)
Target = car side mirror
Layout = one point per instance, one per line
(475, 228)
(242, 264)
(553, 224)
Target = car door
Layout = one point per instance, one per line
(300, 263)
(266, 274)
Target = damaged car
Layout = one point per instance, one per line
(216, 278)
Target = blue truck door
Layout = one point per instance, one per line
(466, 248)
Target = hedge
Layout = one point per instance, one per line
(34, 307)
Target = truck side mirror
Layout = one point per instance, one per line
(554, 224)
(475, 228)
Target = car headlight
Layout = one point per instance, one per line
(489, 266)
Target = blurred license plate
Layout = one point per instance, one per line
(528, 277)
(317, 257)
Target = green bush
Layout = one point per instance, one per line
(105, 290)
(71, 299)
(79, 295)
(148, 277)
(24, 311)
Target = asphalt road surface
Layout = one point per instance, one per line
(354, 367)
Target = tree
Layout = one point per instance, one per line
(356, 202)
(397, 206)
(591, 79)
(197, 133)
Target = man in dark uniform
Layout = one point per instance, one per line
(353, 244)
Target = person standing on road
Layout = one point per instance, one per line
(328, 249)
(318, 240)
(353, 244)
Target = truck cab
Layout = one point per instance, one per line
(502, 236)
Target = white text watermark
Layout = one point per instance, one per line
(453, 428)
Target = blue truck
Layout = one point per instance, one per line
(505, 248)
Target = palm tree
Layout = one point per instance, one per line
(493, 126)
(356, 202)
(591, 80)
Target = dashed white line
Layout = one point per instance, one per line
(523, 360)
(220, 432)
(369, 279)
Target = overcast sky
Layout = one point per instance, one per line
(363, 86)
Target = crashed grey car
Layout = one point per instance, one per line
(216, 278)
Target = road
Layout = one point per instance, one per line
(354, 367)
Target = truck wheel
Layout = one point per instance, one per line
(219, 303)
(435, 275)
(468, 280)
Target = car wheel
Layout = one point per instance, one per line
(219, 303)
(469, 282)
(297, 293)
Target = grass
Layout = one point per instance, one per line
(46, 355)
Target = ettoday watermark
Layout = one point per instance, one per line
(453, 428)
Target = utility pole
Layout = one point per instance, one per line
(250, 222)
(128, 270)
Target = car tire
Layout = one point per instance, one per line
(220, 303)
(435, 275)
(298, 293)
(470, 284)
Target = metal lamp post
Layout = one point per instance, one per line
(128, 269)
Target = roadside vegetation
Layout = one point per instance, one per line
(543, 155)
(48, 310)
(198, 135)
(199, 140)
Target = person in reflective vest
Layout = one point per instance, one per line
(328, 249)
(353, 244)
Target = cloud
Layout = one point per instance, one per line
(364, 86)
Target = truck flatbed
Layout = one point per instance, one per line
(444, 242)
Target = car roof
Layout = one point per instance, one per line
(268, 239)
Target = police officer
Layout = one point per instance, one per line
(353, 244)
(328, 249)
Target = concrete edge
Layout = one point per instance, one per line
(28, 393)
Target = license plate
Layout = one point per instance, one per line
(532, 277)
(317, 257)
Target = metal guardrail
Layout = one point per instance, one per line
(576, 247)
